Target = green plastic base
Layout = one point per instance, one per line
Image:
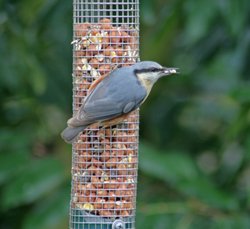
(83, 220)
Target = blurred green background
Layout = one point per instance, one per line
(194, 169)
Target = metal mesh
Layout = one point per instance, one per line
(105, 160)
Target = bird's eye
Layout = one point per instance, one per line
(154, 69)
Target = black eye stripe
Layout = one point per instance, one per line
(155, 69)
(148, 70)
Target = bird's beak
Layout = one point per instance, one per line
(169, 71)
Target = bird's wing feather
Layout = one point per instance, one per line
(117, 94)
(100, 109)
(95, 83)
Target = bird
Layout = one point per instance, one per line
(112, 98)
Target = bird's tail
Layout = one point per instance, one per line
(70, 133)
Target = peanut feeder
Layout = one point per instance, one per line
(104, 160)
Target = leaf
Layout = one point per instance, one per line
(241, 93)
(38, 79)
(7, 135)
(52, 212)
(9, 161)
(180, 171)
(199, 16)
(39, 178)
(233, 222)
(148, 15)
(156, 221)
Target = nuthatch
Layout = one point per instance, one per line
(110, 99)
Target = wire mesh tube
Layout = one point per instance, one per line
(105, 160)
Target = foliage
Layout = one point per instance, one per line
(195, 141)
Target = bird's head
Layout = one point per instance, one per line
(150, 72)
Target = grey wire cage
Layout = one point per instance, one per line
(105, 160)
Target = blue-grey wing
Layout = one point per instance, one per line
(117, 94)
